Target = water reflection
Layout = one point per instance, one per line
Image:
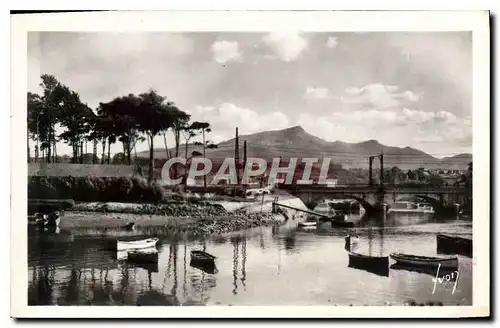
(235, 243)
(255, 267)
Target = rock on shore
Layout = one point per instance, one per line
(169, 209)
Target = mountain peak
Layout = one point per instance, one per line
(296, 129)
(371, 142)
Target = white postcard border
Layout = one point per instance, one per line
(475, 21)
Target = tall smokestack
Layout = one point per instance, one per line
(237, 157)
(245, 151)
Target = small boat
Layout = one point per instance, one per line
(146, 255)
(351, 239)
(136, 244)
(207, 267)
(53, 219)
(416, 260)
(307, 224)
(339, 223)
(453, 244)
(129, 226)
(365, 261)
(411, 207)
(202, 257)
(350, 242)
(44, 221)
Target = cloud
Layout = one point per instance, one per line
(314, 93)
(332, 42)
(285, 46)
(429, 131)
(377, 96)
(225, 51)
(226, 117)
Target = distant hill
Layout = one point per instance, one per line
(296, 142)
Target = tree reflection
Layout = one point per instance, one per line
(243, 264)
(41, 289)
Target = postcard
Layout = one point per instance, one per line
(298, 164)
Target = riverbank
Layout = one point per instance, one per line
(153, 224)
(175, 208)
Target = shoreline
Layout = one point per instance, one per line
(153, 224)
(193, 218)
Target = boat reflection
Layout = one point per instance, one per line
(378, 270)
(209, 268)
(432, 271)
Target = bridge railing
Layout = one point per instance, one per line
(386, 187)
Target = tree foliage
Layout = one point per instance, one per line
(128, 119)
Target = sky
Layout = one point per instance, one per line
(400, 88)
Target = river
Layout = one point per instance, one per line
(279, 265)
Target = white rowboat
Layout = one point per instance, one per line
(136, 244)
(306, 224)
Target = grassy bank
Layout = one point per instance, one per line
(97, 189)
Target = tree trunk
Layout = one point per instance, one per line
(129, 156)
(75, 152)
(151, 166)
(165, 142)
(177, 141)
(187, 142)
(94, 152)
(54, 158)
(81, 152)
(49, 153)
(103, 155)
(109, 152)
(86, 152)
(204, 176)
(28, 144)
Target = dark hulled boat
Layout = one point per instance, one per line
(147, 255)
(202, 257)
(378, 265)
(207, 267)
(453, 244)
(342, 224)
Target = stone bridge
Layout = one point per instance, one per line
(370, 196)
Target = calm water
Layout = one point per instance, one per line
(261, 266)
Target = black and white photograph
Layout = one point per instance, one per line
(295, 164)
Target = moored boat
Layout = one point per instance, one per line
(307, 224)
(339, 223)
(453, 244)
(411, 207)
(429, 261)
(145, 255)
(202, 257)
(350, 242)
(366, 261)
(53, 220)
(207, 267)
(136, 244)
(351, 239)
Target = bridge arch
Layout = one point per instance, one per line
(436, 204)
(433, 201)
(366, 205)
